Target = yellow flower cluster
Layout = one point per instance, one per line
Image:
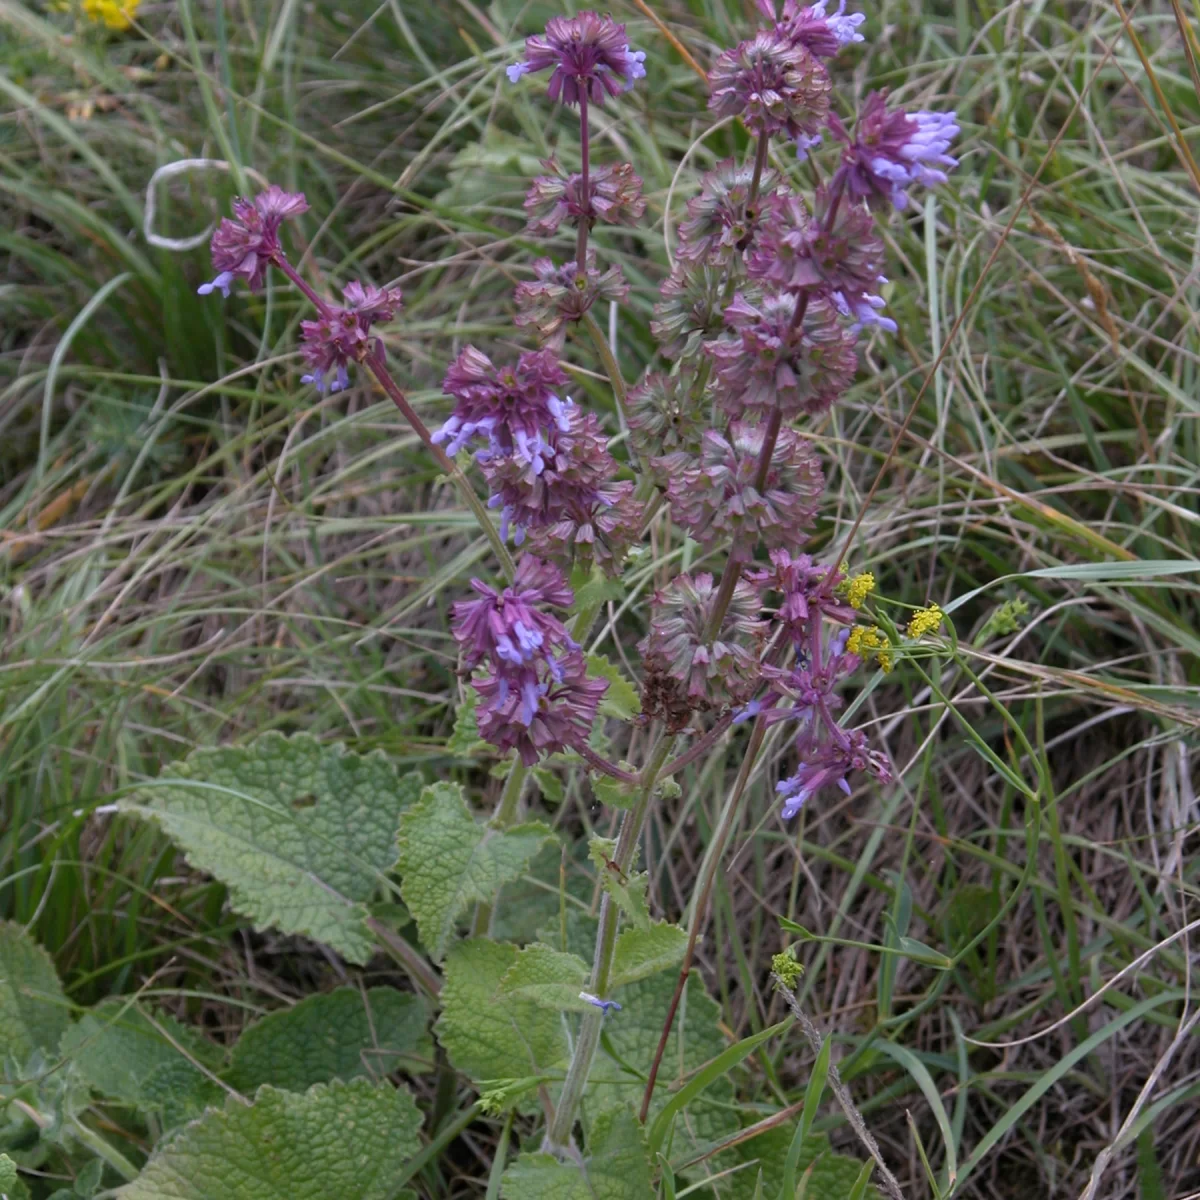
(925, 620)
(858, 588)
(865, 640)
(115, 14)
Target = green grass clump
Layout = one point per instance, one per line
(196, 548)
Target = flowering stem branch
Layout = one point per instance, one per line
(558, 1137)
(611, 369)
(585, 187)
(760, 161)
(708, 873)
(701, 746)
(300, 282)
(378, 367)
(602, 765)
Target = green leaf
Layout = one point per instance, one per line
(87, 1182)
(549, 784)
(593, 588)
(628, 891)
(616, 1167)
(621, 700)
(341, 1035)
(717, 1068)
(612, 793)
(464, 741)
(448, 861)
(33, 1009)
(546, 977)
(300, 832)
(812, 1101)
(643, 952)
(118, 1049)
(11, 1187)
(487, 1040)
(830, 1176)
(347, 1140)
(629, 1042)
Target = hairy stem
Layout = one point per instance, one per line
(760, 161)
(712, 861)
(611, 369)
(585, 186)
(378, 367)
(300, 282)
(558, 1138)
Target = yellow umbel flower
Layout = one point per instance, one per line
(115, 14)
(858, 588)
(925, 620)
(865, 640)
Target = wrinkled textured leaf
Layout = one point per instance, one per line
(617, 1078)
(340, 1035)
(546, 977)
(465, 741)
(33, 1010)
(616, 1167)
(118, 1048)
(178, 1093)
(643, 952)
(448, 861)
(610, 792)
(300, 832)
(11, 1188)
(344, 1140)
(487, 1040)
(628, 891)
(621, 700)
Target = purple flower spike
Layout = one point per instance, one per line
(717, 496)
(511, 407)
(589, 55)
(773, 84)
(811, 27)
(771, 360)
(892, 150)
(539, 709)
(614, 197)
(828, 757)
(342, 335)
(506, 625)
(246, 244)
(559, 295)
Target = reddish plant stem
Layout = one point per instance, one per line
(286, 267)
(702, 744)
(602, 765)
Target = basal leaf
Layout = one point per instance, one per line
(643, 952)
(148, 1060)
(341, 1035)
(546, 977)
(33, 1010)
(448, 861)
(615, 1167)
(488, 1040)
(348, 1140)
(621, 700)
(299, 831)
